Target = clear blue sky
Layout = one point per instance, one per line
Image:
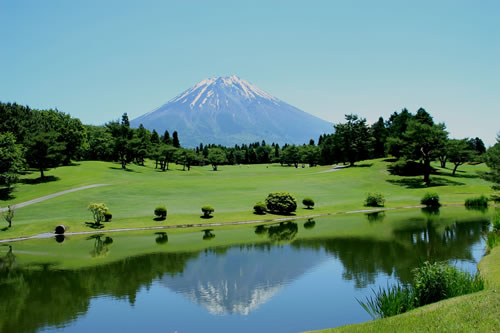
(99, 59)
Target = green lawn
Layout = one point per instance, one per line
(233, 190)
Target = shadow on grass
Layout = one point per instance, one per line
(206, 217)
(5, 193)
(364, 165)
(260, 214)
(94, 225)
(5, 229)
(390, 160)
(413, 183)
(126, 169)
(159, 219)
(35, 181)
(458, 174)
(282, 214)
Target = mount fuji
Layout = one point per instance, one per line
(229, 111)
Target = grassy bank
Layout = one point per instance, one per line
(476, 312)
(132, 195)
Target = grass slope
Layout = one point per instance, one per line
(132, 195)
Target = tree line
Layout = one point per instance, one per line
(42, 139)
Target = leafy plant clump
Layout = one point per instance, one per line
(496, 222)
(259, 208)
(375, 200)
(207, 210)
(308, 202)
(431, 283)
(107, 216)
(481, 201)
(281, 203)
(161, 212)
(389, 302)
(438, 281)
(98, 210)
(430, 200)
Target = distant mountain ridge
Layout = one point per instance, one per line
(229, 111)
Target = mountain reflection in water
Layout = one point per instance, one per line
(231, 281)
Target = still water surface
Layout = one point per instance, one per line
(287, 277)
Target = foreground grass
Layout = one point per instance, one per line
(132, 195)
(476, 312)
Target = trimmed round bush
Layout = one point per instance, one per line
(107, 216)
(308, 202)
(161, 212)
(375, 200)
(430, 200)
(207, 210)
(281, 203)
(259, 208)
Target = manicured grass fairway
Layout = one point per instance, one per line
(233, 190)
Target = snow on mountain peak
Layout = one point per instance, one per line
(220, 90)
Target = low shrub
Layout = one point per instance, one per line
(375, 200)
(388, 302)
(430, 200)
(259, 208)
(431, 283)
(161, 212)
(207, 210)
(438, 281)
(281, 203)
(493, 239)
(97, 210)
(107, 216)
(481, 201)
(496, 222)
(308, 202)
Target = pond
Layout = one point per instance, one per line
(283, 277)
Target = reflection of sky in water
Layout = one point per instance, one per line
(283, 289)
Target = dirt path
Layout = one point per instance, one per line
(335, 168)
(50, 196)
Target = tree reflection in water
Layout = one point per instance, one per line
(282, 232)
(161, 238)
(375, 217)
(309, 224)
(208, 235)
(101, 247)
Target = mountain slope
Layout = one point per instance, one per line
(230, 110)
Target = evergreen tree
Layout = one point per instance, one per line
(175, 140)
(11, 159)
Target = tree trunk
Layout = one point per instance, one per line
(427, 172)
(443, 162)
(41, 173)
(455, 169)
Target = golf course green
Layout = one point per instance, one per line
(132, 195)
